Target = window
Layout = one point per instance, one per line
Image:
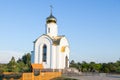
(48, 30)
(44, 53)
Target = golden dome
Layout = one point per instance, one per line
(51, 19)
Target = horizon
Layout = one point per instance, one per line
(92, 28)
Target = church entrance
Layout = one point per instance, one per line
(66, 62)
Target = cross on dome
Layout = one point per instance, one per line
(51, 18)
(51, 8)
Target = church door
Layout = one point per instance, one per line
(66, 62)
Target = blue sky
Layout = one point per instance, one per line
(91, 26)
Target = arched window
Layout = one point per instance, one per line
(44, 53)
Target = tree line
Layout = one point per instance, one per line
(24, 65)
(110, 67)
(21, 65)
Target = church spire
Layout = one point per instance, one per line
(51, 18)
(51, 25)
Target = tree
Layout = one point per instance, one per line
(84, 66)
(112, 67)
(105, 68)
(92, 66)
(72, 62)
(12, 65)
(25, 63)
(79, 66)
(98, 67)
(117, 66)
(26, 59)
(75, 65)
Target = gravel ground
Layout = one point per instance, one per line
(96, 77)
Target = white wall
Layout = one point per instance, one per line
(55, 58)
(38, 50)
(53, 29)
(64, 42)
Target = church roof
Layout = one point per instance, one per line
(41, 36)
(56, 40)
(51, 16)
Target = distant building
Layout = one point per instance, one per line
(50, 49)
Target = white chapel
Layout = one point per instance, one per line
(50, 49)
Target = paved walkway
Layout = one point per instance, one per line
(97, 77)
